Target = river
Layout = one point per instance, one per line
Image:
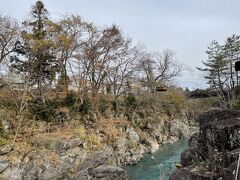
(165, 159)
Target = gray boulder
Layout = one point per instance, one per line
(151, 142)
(110, 172)
(133, 136)
(5, 149)
(189, 157)
(96, 167)
(179, 128)
(180, 175)
(12, 173)
(231, 172)
(4, 164)
(190, 174)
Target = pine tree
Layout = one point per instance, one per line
(35, 51)
(216, 68)
(231, 50)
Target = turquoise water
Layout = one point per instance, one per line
(166, 157)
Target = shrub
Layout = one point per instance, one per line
(130, 105)
(81, 132)
(130, 102)
(173, 102)
(4, 117)
(84, 107)
(103, 105)
(200, 105)
(93, 141)
(109, 129)
(70, 99)
(3, 141)
(44, 111)
(109, 89)
(236, 105)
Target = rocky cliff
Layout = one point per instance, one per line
(67, 157)
(213, 152)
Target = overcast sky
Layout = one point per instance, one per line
(185, 26)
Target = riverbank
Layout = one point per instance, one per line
(83, 142)
(67, 155)
(130, 148)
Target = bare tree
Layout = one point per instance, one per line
(69, 37)
(78, 77)
(19, 98)
(97, 51)
(8, 36)
(159, 68)
(167, 67)
(121, 69)
(146, 68)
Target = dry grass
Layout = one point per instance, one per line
(93, 140)
(110, 128)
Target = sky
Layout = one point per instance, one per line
(185, 26)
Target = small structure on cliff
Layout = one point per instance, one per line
(161, 88)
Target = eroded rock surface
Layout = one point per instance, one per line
(213, 152)
(51, 156)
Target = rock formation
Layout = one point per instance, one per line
(213, 152)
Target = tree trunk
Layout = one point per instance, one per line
(116, 106)
(65, 76)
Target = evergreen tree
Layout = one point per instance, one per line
(35, 51)
(216, 68)
(231, 50)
